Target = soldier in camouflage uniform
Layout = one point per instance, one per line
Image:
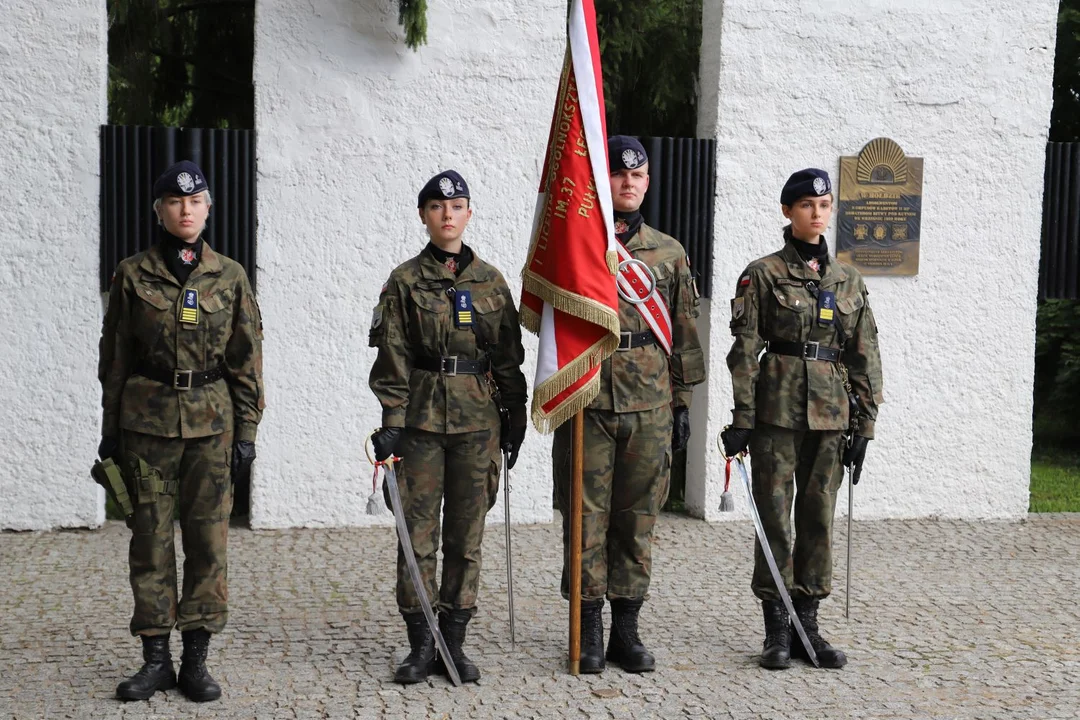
(448, 337)
(811, 315)
(181, 375)
(631, 429)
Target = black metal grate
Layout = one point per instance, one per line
(681, 197)
(1059, 267)
(132, 157)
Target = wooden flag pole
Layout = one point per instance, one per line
(575, 542)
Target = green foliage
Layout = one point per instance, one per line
(650, 54)
(412, 15)
(1065, 117)
(1057, 357)
(181, 63)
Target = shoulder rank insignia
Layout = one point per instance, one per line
(463, 309)
(189, 311)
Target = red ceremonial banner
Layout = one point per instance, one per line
(569, 293)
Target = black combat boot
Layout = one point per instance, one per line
(827, 655)
(452, 626)
(157, 672)
(592, 636)
(194, 679)
(420, 662)
(776, 652)
(624, 646)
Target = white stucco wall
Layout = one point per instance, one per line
(965, 84)
(52, 100)
(350, 124)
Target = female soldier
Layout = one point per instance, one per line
(810, 314)
(449, 352)
(181, 377)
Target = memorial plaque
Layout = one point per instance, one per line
(879, 210)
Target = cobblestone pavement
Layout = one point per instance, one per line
(948, 620)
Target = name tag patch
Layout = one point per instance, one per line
(826, 308)
(463, 309)
(189, 311)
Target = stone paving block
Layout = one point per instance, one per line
(948, 620)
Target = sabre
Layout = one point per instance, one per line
(850, 512)
(414, 570)
(509, 554)
(766, 549)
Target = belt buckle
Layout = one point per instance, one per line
(806, 351)
(626, 341)
(178, 376)
(453, 372)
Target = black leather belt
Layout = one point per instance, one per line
(628, 340)
(452, 365)
(181, 379)
(806, 351)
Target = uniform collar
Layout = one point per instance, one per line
(797, 267)
(153, 262)
(432, 269)
(644, 239)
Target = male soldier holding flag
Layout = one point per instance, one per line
(639, 418)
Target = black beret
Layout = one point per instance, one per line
(625, 153)
(183, 178)
(444, 186)
(810, 181)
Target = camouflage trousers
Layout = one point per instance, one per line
(200, 467)
(456, 476)
(813, 459)
(625, 480)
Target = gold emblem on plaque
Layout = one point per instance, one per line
(879, 209)
(882, 162)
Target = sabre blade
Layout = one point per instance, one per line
(766, 550)
(509, 554)
(414, 572)
(850, 512)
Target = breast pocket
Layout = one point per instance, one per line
(431, 317)
(788, 316)
(665, 281)
(150, 316)
(216, 322)
(489, 312)
(848, 308)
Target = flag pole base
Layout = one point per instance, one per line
(575, 667)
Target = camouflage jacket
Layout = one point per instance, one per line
(645, 378)
(414, 319)
(772, 303)
(142, 325)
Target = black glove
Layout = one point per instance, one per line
(511, 443)
(243, 454)
(735, 440)
(680, 431)
(385, 441)
(854, 454)
(108, 447)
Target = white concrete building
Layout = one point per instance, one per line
(350, 123)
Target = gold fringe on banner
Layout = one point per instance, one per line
(529, 319)
(579, 306)
(565, 378)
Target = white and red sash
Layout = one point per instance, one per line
(635, 282)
